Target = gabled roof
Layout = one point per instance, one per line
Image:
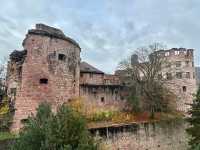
(87, 68)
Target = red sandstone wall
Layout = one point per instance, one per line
(42, 62)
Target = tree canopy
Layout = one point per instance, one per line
(194, 121)
(65, 130)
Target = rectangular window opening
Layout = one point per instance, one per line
(178, 64)
(188, 75)
(179, 75)
(91, 75)
(102, 99)
(187, 63)
(43, 81)
(184, 89)
(61, 57)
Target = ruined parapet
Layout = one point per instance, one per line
(14, 73)
(49, 71)
(44, 30)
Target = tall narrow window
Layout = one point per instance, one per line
(194, 75)
(91, 75)
(102, 99)
(184, 89)
(43, 81)
(1, 98)
(187, 63)
(188, 75)
(192, 64)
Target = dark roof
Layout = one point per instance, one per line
(87, 68)
(45, 30)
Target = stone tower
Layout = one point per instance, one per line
(179, 72)
(47, 70)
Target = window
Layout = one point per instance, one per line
(194, 75)
(184, 89)
(167, 54)
(91, 75)
(169, 76)
(187, 63)
(192, 64)
(122, 98)
(177, 52)
(188, 75)
(23, 121)
(1, 98)
(102, 99)
(179, 75)
(61, 57)
(178, 63)
(43, 81)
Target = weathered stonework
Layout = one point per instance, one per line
(99, 90)
(49, 72)
(145, 136)
(179, 72)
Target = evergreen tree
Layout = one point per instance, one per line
(65, 130)
(194, 121)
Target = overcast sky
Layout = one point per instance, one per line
(107, 30)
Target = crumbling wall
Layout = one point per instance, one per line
(14, 73)
(180, 61)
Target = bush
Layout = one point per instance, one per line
(101, 116)
(194, 121)
(65, 130)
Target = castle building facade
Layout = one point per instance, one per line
(179, 75)
(49, 70)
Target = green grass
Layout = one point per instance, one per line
(6, 136)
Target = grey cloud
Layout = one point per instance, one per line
(107, 31)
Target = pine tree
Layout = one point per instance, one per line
(194, 122)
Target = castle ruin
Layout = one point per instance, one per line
(49, 70)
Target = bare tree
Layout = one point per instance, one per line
(141, 73)
(2, 79)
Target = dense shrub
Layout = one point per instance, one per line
(101, 116)
(65, 130)
(5, 116)
(194, 121)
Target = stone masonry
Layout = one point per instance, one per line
(47, 70)
(179, 74)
